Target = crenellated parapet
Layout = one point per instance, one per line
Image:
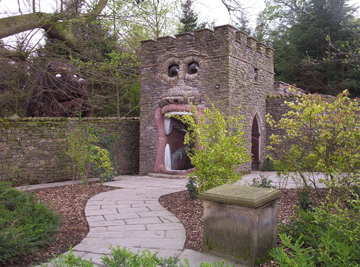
(222, 41)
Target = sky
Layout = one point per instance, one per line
(214, 10)
(208, 10)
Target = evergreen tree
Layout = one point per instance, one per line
(304, 55)
(189, 19)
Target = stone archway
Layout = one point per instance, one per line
(255, 145)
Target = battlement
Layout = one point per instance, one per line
(223, 35)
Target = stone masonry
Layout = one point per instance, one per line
(33, 150)
(230, 67)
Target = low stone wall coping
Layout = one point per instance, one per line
(246, 196)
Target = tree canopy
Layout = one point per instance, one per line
(74, 35)
(312, 40)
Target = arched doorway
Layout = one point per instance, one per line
(255, 145)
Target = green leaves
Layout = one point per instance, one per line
(25, 225)
(87, 155)
(218, 146)
(123, 257)
(323, 135)
(326, 236)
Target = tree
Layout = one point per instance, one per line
(144, 20)
(57, 25)
(83, 41)
(300, 33)
(189, 19)
(149, 19)
(237, 14)
(14, 87)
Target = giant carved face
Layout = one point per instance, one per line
(59, 91)
(182, 74)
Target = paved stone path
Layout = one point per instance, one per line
(132, 217)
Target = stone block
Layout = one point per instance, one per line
(240, 222)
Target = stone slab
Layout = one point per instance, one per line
(246, 196)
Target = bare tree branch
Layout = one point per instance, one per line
(14, 55)
(58, 26)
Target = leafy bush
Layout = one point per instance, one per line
(305, 201)
(320, 134)
(89, 153)
(327, 236)
(192, 188)
(263, 182)
(24, 224)
(125, 258)
(219, 146)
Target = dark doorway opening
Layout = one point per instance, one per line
(255, 137)
(176, 157)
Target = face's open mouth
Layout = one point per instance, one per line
(175, 157)
(172, 155)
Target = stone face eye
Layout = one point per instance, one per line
(193, 68)
(173, 70)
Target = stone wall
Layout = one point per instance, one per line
(32, 150)
(276, 107)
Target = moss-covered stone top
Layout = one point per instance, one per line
(246, 196)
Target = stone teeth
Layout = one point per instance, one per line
(168, 125)
(167, 158)
(176, 113)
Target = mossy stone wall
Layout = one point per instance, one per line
(32, 150)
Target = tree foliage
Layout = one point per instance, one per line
(189, 19)
(105, 49)
(300, 30)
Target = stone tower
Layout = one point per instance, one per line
(224, 65)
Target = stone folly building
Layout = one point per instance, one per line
(221, 65)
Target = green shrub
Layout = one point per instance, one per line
(318, 135)
(263, 182)
(192, 188)
(219, 149)
(328, 235)
(305, 201)
(125, 258)
(89, 153)
(24, 224)
(267, 165)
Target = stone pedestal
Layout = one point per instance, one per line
(240, 222)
